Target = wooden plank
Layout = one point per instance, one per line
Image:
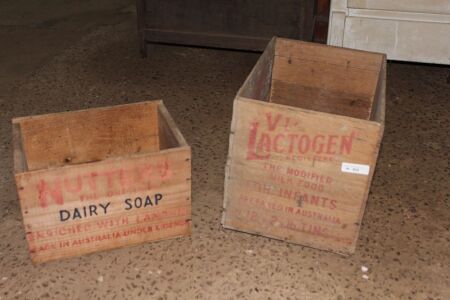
(324, 99)
(20, 164)
(378, 112)
(335, 56)
(80, 209)
(257, 85)
(90, 135)
(285, 179)
(313, 77)
(169, 134)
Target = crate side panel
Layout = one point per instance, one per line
(337, 56)
(258, 83)
(167, 139)
(378, 113)
(318, 84)
(344, 103)
(169, 134)
(20, 164)
(286, 179)
(87, 208)
(89, 135)
(234, 119)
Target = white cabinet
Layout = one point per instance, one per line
(409, 30)
(420, 6)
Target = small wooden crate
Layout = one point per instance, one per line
(102, 178)
(306, 130)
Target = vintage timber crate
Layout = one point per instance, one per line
(101, 178)
(306, 130)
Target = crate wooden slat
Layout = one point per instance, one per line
(306, 130)
(102, 178)
(90, 135)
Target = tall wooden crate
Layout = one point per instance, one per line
(101, 178)
(306, 130)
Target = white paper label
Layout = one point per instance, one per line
(355, 168)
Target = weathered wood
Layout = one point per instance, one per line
(325, 79)
(121, 200)
(378, 112)
(257, 84)
(303, 175)
(316, 52)
(90, 135)
(20, 164)
(322, 99)
(169, 134)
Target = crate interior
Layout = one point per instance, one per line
(317, 77)
(77, 137)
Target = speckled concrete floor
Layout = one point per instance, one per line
(405, 234)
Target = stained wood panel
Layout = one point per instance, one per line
(91, 135)
(325, 79)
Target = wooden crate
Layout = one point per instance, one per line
(101, 178)
(307, 126)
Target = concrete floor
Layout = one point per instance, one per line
(66, 55)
